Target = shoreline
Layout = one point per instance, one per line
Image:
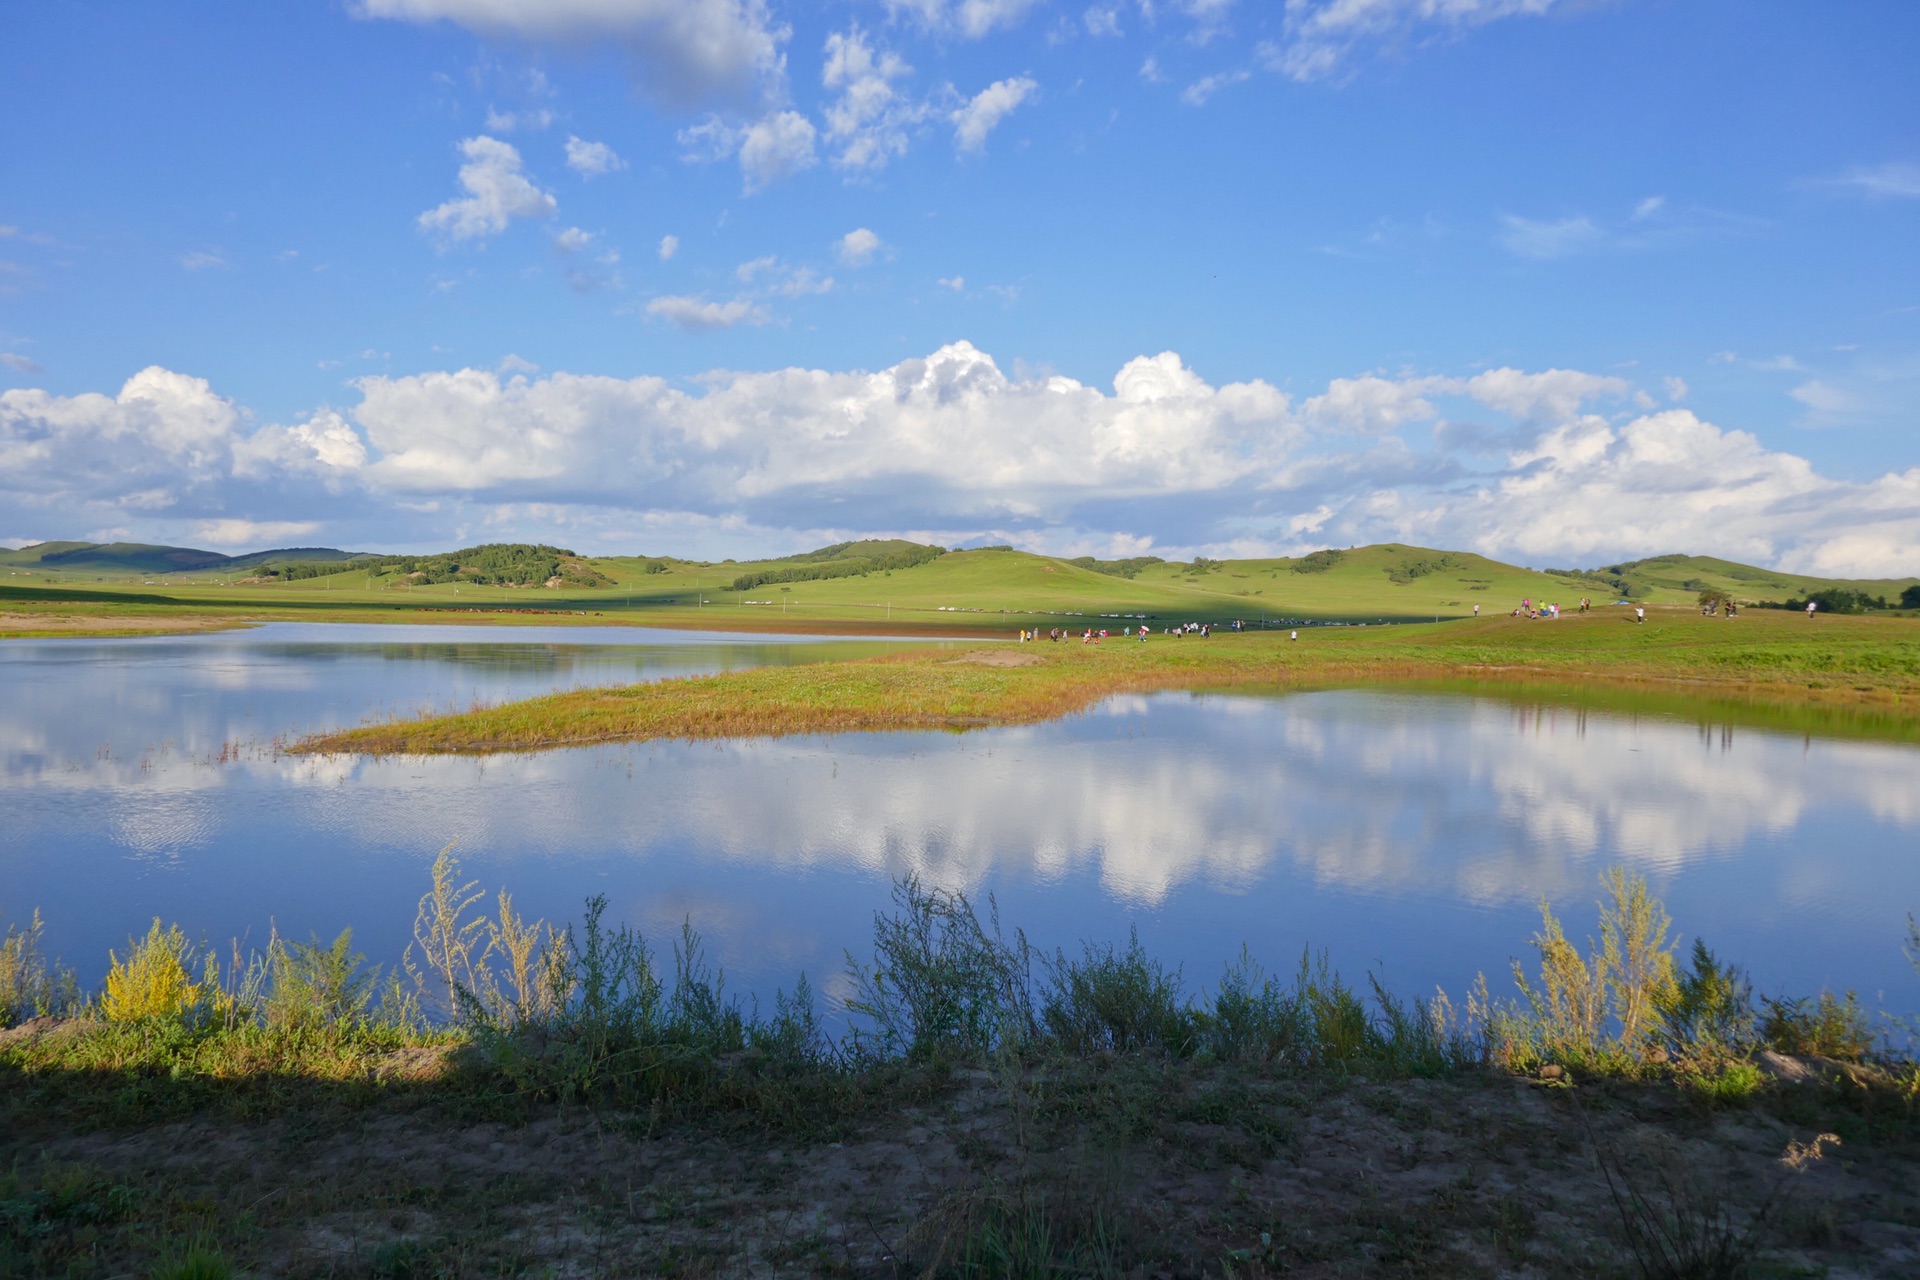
(1118, 1119)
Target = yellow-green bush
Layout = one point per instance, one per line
(155, 981)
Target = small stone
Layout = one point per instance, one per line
(1787, 1068)
(1553, 1071)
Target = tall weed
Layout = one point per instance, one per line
(30, 986)
(1118, 1001)
(450, 943)
(941, 983)
(1601, 1008)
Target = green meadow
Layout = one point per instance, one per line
(975, 592)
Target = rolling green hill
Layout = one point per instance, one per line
(1385, 582)
(1693, 574)
(895, 583)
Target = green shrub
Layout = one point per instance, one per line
(155, 981)
(1318, 561)
(1118, 1001)
(1254, 1018)
(1824, 1027)
(1707, 1010)
(316, 986)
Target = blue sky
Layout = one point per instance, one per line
(1562, 282)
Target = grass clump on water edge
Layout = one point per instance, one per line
(492, 1009)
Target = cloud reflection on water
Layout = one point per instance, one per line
(1474, 798)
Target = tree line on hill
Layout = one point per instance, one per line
(842, 560)
(500, 564)
(1839, 600)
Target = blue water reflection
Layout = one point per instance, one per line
(1410, 834)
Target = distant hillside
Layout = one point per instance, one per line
(296, 555)
(1363, 584)
(142, 557)
(1693, 574)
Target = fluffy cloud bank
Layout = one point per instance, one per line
(950, 446)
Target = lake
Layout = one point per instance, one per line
(1410, 834)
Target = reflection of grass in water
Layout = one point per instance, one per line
(1708, 708)
(1850, 674)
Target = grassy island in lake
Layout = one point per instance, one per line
(1842, 675)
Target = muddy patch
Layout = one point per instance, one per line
(79, 625)
(995, 658)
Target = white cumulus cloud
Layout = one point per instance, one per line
(669, 245)
(949, 446)
(702, 314)
(1200, 91)
(973, 121)
(857, 248)
(775, 146)
(869, 118)
(592, 159)
(232, 532)
(497, 193)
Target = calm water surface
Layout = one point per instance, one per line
(1410, 834)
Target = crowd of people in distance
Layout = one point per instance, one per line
(1090, 636)
(1530, 608)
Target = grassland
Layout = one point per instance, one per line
(961, 593)
(1836, 675)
